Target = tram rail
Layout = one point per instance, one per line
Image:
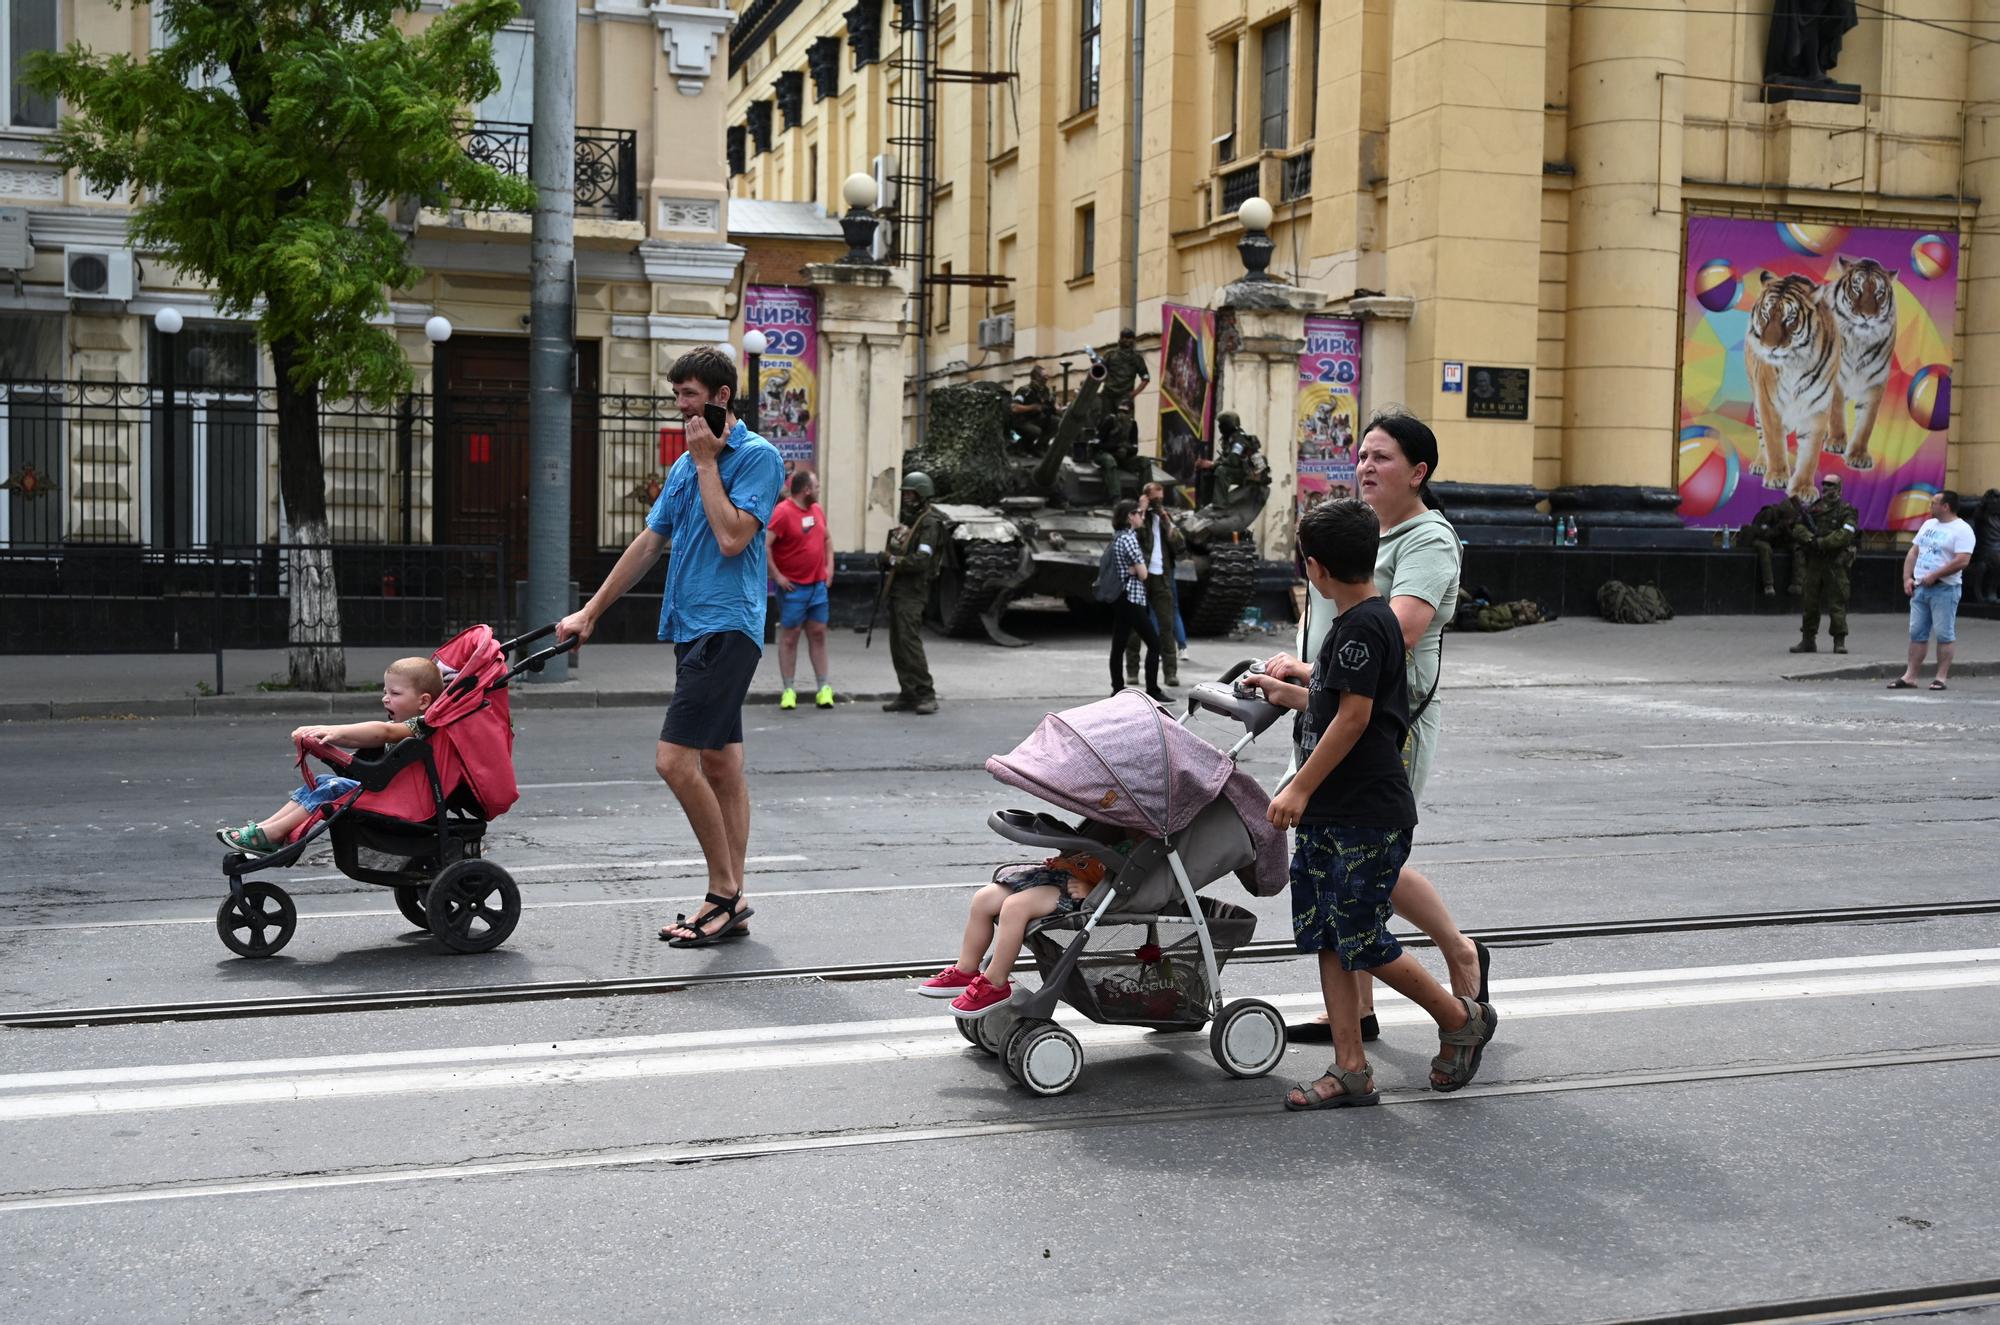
(533, 991)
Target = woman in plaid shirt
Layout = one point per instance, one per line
(1132, 613)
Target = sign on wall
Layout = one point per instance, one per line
(788, 380)
(1811, 350)
(1187, 386)
(1329, 408)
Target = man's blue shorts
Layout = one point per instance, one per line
(1341, 881)
(802, 603)
(1934, 613)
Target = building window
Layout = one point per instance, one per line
(1226, 94)
(26, 26)
(812, 173)
(1086, 240)
(1092, 57)
(942, 322)
(514, 61)
(1273, 93)
(1309, 17)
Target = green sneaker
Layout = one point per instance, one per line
(825, 697)
(788, 700)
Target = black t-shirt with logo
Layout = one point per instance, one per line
(1362, 655)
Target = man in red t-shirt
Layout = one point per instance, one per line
(801, 557)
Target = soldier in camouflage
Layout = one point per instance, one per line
(1240, 460)
(1032, 412)
(1117, 453)
(911, 562)
(1771, 528)
(1125, 374)
(1824, 537)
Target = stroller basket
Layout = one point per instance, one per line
(1129, 976)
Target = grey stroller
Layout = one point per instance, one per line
(1145, 948)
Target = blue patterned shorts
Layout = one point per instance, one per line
(325, 792)
(1341, 881)
(1020, 878)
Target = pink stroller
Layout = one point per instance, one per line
(417, 821)
(1146, 948)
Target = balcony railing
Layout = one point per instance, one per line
(607, 164)
(1238, 186)
(1297, 181)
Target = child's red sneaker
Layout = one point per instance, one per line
(980, 997)
(948, 983)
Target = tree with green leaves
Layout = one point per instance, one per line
(265, 142)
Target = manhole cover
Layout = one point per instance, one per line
(1567, 756)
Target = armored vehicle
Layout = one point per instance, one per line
(1023, 524)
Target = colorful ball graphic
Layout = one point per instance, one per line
(1930, 256)
(1930, 397)
(1716, 285)
(1909, 508)
(1709, 471)
(1811, 241)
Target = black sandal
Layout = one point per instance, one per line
(718, 905)
(1318, 1032)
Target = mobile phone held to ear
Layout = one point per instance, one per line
(717, 418)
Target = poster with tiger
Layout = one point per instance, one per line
(1810, 350)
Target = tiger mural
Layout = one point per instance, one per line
(1791, 355)
(1863, 299)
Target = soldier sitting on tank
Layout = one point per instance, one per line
(1032, 412)
(1769, 529)
(1117, 452)
(1240, 465)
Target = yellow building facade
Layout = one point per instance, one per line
(1484, 183)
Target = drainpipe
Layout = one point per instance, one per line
(1138, 128)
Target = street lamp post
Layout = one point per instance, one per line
(168, 323)
(437, 330)
(858, 226)
(1255, 247)
(754, 345)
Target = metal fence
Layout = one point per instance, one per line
(110, 493)
(607, 164)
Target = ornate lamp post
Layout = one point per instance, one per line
(168, 323)
(1255, 247)
(858, 225)
(754, 345)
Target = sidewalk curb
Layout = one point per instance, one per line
(1889, 671)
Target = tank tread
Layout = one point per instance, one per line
(1228, 588)
(988, 568)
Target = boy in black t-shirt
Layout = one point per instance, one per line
(1354, 813)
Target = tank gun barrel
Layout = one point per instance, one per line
(1070, 428)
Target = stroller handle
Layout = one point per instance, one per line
(522, 641)
(534, 662)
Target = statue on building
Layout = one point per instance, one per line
(1805, 40)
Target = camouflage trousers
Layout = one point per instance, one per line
(1341, 880)
(906, 647)
(1826, 589)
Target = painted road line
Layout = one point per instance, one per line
(1393, 1009)
(1760, 745)
(935, 1040)
(700, 1153)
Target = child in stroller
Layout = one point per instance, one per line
(1161, 814)
(408, 687)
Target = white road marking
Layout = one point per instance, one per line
(609, 782)
(1758, 745)
(907, 1039)
(610, 865)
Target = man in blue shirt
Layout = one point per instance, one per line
(712, 512)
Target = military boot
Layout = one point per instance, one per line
(1806, 645)
(924, 706)
(900, 704)
(1840, 644)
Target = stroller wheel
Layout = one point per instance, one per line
(1248, 1039)
(990, 1031)
(472, 906)
(968, 1031)
(261, 924)
(410, 901)
(1044, 1058)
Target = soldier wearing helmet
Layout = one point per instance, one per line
(911, 562)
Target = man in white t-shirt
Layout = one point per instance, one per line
(1933, 579)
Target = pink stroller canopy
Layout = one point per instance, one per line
(1120, 761)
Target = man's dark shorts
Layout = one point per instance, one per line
(712, 675)
(1341, 881)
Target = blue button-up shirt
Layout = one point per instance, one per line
(706, 591)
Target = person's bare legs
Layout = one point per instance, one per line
(1015, 914)
(788, 651)
(285, 822)
(1407, 977)
(1342, 990)
(710, 788)
(1944, 652)
(816, 648)
(979, 922)
(1916, 660)
(1418, 901)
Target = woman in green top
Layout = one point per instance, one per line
(1416, 570)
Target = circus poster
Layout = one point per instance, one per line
(1187, 386)
(788, 372)
(1328, 408)
(1891, 481)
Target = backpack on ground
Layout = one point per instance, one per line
(1632, 604)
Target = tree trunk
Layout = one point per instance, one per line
(317, 660)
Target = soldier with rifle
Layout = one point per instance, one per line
(1824, 537)
(1032, 412)
(1772, 528)
(908, 566)
(1239, 462)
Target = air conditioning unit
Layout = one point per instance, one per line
(995, 332)
(885, 181)
(97, 273)
(16, 253)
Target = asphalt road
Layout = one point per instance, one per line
(1669, 1121)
